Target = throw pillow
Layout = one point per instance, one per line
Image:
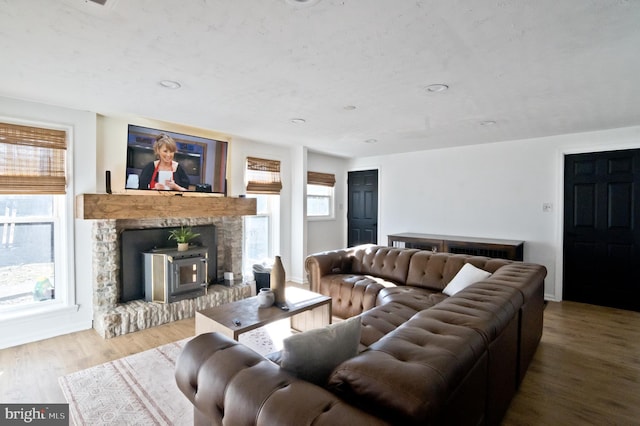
(314, 354)
(466, 276)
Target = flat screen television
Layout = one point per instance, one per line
(203, 160)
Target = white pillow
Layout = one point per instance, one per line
(466, 276)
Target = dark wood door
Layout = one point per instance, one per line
(362, 214)
(602, 229)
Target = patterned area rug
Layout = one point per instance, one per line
(140, 389)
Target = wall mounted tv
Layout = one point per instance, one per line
(203, 160)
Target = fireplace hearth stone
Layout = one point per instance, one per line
(139, 314)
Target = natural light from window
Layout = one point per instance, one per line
(260, 232)
(319, 201)
(27, 255)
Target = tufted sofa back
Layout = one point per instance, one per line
(435, 270)
(384, 262)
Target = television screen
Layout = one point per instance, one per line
(164, 160)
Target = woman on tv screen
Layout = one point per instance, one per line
(164, 173)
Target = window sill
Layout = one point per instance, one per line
(54, 307)
(320, 218)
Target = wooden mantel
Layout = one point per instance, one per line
(154, 205)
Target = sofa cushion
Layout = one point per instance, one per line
(485, 307)
(352, 294)
(467, 275)
(408, 374)
(382, 320)
(312, 355)
(413, 297)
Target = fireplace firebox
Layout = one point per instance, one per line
(135, 242)
(171, 275)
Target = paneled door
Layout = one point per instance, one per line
(602, 229)
(362, 214)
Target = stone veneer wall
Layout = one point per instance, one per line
(111, 318)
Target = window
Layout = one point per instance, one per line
(320, 195)
(261, 231)
(32, 211)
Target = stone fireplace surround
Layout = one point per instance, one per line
(112, 318)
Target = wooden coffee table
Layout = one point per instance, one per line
(307, 310)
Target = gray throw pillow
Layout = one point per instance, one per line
(314, 354)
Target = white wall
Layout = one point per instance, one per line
(493, 190)
(329, 234)
(19, 329)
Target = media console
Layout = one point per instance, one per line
(504, 249)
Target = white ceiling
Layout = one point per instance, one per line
(247, 67)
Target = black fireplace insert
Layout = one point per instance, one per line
(134, 242)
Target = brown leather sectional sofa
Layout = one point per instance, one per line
(426, 358)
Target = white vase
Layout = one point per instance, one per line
(265, 298)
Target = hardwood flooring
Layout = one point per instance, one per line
(29, 373)
(585, 371)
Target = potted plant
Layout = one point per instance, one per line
(182, 237)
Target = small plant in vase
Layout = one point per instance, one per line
(182, 237)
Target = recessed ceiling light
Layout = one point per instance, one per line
(435, 88)
(349, 107)
(371, 141)
(170, 84)
(301, 2)
(487, 123)
(298, 120)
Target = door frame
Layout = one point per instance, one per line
(562, 152)
(362, 169)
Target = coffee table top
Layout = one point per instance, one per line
(250, 316)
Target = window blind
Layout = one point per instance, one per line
(263, 176)
(324, 179)
(32, 160)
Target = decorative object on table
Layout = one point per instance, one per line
(182, 237)
(265, 298)
(277, 281)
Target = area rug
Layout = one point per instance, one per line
(140, 389)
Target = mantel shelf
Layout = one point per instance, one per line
(161, 205)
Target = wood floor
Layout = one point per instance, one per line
(585, 371)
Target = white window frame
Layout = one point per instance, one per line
(331, 201)
(272, 212)
(63, 243)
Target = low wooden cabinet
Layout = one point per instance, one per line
(504, 249)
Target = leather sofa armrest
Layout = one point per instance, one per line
(231, 384)
(329, 262)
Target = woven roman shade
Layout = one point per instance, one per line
(32, 160)
(263, 176)
(324, 179)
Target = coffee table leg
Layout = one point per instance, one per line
(314, 318)
(207, 325)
